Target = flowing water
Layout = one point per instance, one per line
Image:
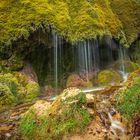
(55, 41)
(123, 57)
(57, 53)
(85, 58)
(116, 125)
(93, 89)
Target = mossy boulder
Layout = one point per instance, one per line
(75, 80)
(6, 97)
(16, 88)
(32, 91)
(66, 115)
(129, 66)
(108, 76)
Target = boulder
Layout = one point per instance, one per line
(108, 76)
(129, 66)
(6, 97)
(75, 80)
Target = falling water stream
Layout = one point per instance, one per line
(55, 41)
(87, 58)
(123, 57)
(115, 125)
(57, 53)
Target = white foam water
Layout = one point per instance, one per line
(93, 89)
(115, 124)
(124, 75)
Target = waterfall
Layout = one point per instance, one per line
(115, 125)
(108, 48)
(95, 54)
(88, 57)
(122, 58)
(85, 59)
(57, 58)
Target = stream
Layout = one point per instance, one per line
(107, 125)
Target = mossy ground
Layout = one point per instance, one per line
(128, 98)
(61, 118)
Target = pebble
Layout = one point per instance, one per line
(8, 135)
(90, 132)
(104, 130)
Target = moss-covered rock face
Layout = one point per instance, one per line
(65, 115)
(109, 76)
(128, 65)
(74, 80)
(14, 63)
(73, 19)
(135, 52)
(15, 88)
(129, 16)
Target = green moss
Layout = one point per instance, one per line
(75, 20)
(128, 101)
(6, 97)
(14, 63)
(128, 65)
(11, 81)
(33, 91)
(28, 125)
(128, 13)
(16, 86)
(64, 116)
(108, 77)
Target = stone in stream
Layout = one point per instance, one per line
(90, 101)
(8, 135)
(75, 80)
